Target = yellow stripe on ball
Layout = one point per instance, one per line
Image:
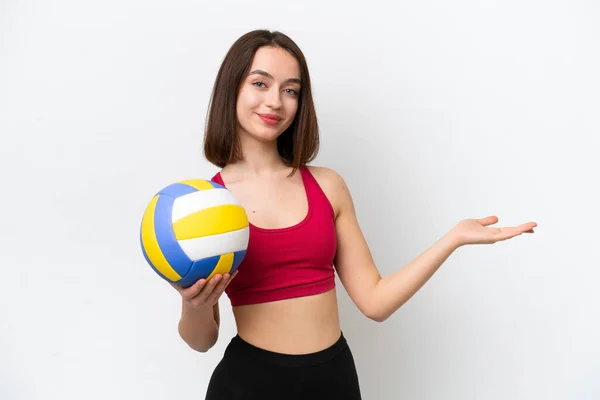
(199, 184)
(150, 243)
(223, 266)
(211, 221)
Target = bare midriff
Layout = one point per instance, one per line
(299, 325)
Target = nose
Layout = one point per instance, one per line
(273, 100)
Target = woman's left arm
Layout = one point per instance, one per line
(378, 298)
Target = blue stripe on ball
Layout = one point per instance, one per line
(216, 185)
(200, 269)
(148, 259)
(165, 236)
(238, 257)
(176, 190)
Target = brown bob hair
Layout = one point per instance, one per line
(297, 145)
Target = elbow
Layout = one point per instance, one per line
(200, 347)
(375, 314)
(197, 341)
(377, 317)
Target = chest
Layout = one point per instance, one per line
(273, 205)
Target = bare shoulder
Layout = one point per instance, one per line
(333, 185)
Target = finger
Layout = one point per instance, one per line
(526, 228)
(218, 291)
(222, 283)
(213, 296)
(492, 219)
(192, 291)
(203, 297)
(211, 285)
(231, 278)
(507, 233)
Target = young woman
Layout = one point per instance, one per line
(262, 131)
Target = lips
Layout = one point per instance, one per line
(270, 119)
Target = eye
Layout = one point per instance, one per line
(259, 83)
(292, 92)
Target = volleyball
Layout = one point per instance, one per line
(194, 229)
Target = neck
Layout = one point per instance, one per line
(259, 157)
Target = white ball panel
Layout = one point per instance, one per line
(210, 246)
(200, 200)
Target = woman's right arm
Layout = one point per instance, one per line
(199, 322)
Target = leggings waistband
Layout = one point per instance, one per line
(239, 346)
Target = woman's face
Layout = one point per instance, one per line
(268, 99)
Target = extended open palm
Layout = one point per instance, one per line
(478, 231)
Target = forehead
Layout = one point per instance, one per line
(277, 62)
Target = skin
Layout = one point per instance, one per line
(273, 200)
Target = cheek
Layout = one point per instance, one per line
(248, 100)
(291, 108)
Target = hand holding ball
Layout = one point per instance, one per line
(194, 229)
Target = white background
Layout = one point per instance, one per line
(432, 111)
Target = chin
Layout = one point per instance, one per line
(265, 134)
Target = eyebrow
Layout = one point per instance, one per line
(268, 75)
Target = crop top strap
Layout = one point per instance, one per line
(316, 195)
(318, 198)
(218, 179)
